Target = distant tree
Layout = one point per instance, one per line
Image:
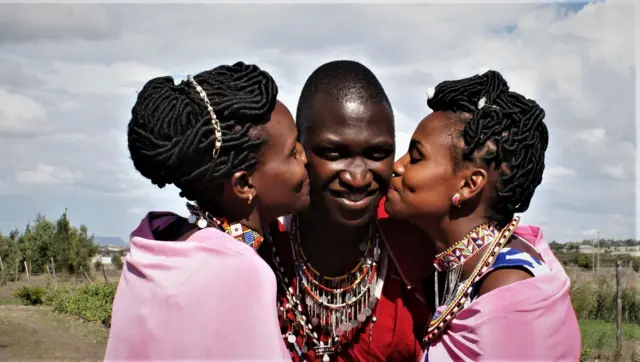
(572, 247)
(44, 240)
(585, 261)
(117, 261)
(42, 232)
(63, 241)
(10, 255)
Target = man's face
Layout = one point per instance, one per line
(350, 148)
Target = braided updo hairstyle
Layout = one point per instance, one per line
(171, 134)
(502, 130)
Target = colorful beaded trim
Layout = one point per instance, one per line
(466, 248)
(438, 325)
(237, 230)
(241, 233)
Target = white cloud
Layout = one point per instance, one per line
(76, 67)
(21, 115)
(592, 135)
(615, 171)
(557, 174)
(590, 233)
(44, 174)
(402, 143)
(99, 78)
(20, 22)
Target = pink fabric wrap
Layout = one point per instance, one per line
(531, 320)
(207, 298)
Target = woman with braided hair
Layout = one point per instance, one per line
(196, 289)
(500, 294)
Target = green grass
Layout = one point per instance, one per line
(602, 335)
(10, 302)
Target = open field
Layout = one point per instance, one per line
(38, 333)
(599, 339)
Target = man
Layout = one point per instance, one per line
(342, 297)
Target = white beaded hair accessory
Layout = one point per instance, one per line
(214, 120)
(482, 102)
(430, 92)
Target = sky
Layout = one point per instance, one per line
(69, 75)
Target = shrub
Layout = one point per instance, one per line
(598, 301)
(117, 261)
(605, 305)
(585, 261)
(31, 294)
(91, 302)
(585, 354)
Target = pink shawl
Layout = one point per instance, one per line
(207, 298)
(531, 320)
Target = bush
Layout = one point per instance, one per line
(31, 295)
(117, 261)
(598, 301)
(91, 302)
(585, 261)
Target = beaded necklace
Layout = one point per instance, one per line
(237, 230)
(326, 312)
(441, 321)
(466, 248)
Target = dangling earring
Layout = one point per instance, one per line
(250, 199)
(455, 200)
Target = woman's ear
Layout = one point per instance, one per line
(472, 183)
(242, 186)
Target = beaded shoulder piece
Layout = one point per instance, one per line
(438, 325)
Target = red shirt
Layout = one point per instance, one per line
(400, 318)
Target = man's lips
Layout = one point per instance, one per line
(392, 187)
(354, 200)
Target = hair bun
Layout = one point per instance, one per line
(171, 133)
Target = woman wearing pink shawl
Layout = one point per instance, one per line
(196, 289)
(500, 294)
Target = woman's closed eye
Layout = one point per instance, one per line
(415, 156)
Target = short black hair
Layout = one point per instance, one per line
(503, 130)
(171, 134)
(342, 81)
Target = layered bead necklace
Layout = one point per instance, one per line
(323, 313)
(485, 237)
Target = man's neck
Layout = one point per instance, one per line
(331, 248)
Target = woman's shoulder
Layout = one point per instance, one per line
(517, 262)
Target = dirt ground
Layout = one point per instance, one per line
(36, 333)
